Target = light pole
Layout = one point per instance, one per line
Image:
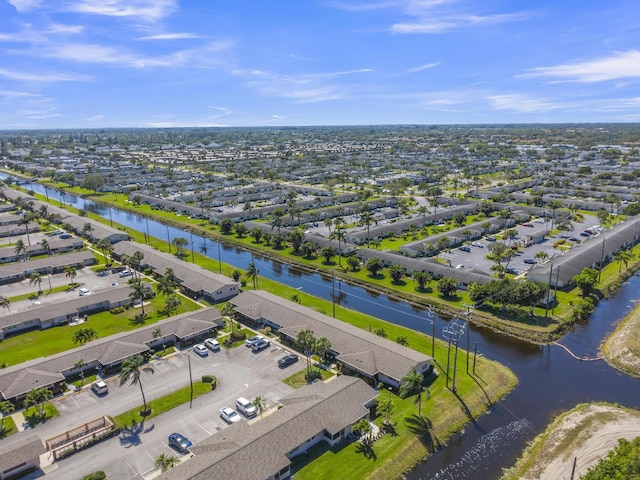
(467, 317)
(431, 318)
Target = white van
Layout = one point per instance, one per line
(245, 407)
(99, 387)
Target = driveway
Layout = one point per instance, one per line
(240, 372)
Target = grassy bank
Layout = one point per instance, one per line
(622, 348)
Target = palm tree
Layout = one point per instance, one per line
(5, 302)
(257, 402)
(139, 293)
(45, 245)
(172, 304)
(135, 262)
(20, 247)
(180, 243)
(26, 219)
(5, 407)
(338, 222)
(157, 333)
(165, 462)
(131, 371)
(70, 272)
(322, 347)
(623, 256)
(36, 398)
(87, 228)
(36, 278)
(228, 311)
(106, 247)
(80, 365)
(305, 342)
(84, 335)
(413, 383)
(252, 274)
(165, 287)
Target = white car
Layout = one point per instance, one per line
(83, 292)
(212, 343)
(201, 350)
(250, 342)
(229, 415)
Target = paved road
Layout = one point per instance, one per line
(240, 372)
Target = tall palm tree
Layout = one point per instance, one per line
(80, 364)
(36, 278)
(305, 342)
(87, 228)
(338, 222)
(259, 404)
(106, 247)
(140, 291)
(131, 371)
(20, 247)
(26, 219)
(6, 407)
(172, 304)
(5, 302)
(70, 272)
(413, 383)
(252, 274)
(157, 333)
(45, 245)
(165, 287)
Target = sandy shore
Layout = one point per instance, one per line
(586, 433)
(622, 348)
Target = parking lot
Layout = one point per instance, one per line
(240, 372)
(478, 249)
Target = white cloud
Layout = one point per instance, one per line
(152, 10)
(95, 118)
(42, 77)
(16, 94)
(522, 103)
(304, 87)
(169, 36)
(435, 24)
(420, 68)
(617, 66)
(278, 117)
(25, 5)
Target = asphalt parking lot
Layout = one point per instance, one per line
(240, 372)
(476, 258)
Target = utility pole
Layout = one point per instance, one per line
(168, 238)
(333, 292)
(546, 305)
(192, 258)
(467, 317)
(219, 259)
(452, 333)
(147, 222)
(431, 318)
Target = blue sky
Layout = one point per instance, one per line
(164, 63)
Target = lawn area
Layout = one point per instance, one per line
(32, 418)
(9, 427)
(412, 436)
(298, 380)
(162, 404)
(35, 296)
(42, 343)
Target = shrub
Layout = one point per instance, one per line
(312, 375)
(99, 475)
(211, 380)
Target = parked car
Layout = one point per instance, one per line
(126, 273)
(245, 407)
(575, 239)
(99, 387)
(477, 244)
(490, 239)
(118, 269)
(179, 442)
(464, 248)
(511, 271)
(261, 345)
(530, 261)
(287, 360)
(103, 273)
(55, 232)
(585, 234)
(229, 415)
(250, 342)
(527, 225)
(83, 291)
(212, 343)
(201, 350)
(64, 236)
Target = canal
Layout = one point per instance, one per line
(550, 379)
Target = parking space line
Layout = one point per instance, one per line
(205, 430)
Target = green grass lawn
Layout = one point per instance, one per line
(161, 405)
(32, 418)
(42, 343)
(298, 380)
(9, 427)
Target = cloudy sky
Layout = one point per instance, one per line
(146, 63)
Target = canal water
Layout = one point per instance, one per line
(550, 379)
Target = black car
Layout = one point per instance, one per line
(511, 271)
(287, 360)
(179, 442)
(118, 269)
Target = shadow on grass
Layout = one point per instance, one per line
(423, 428)
(319, 449)
(464, 408)
(139, 319)
(366, 449)
(35, 419)
(390, 429)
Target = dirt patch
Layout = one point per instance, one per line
(622, 348)
(585, 434)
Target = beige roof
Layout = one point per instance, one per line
(259, 450)
(362, 350)
(24, 449)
